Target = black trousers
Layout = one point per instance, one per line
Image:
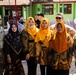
(51, 71)
(43, 69)
(32, 65)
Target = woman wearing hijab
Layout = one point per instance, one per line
(29, 48)
(60, 52)
(12, 50)
(42, 42)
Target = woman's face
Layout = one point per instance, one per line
(31, 24)
(14, 28)
(59, 28)
(44, 25)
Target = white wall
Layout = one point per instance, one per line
(63, 0)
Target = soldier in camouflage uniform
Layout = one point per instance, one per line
(75, 48)
(1, 46)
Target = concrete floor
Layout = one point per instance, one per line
(72, 69)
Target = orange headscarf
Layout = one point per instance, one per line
(60, 43)
(44, 35)
(32, 31)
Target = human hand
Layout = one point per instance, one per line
(27, 57)
(8, 59)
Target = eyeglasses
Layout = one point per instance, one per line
(58, 18)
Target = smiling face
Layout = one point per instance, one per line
(59, 28)
(31, 24)
(14, 28)
(44, 24)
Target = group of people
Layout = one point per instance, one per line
(50, 46)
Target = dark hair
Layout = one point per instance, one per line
(41, 14)
(10, 17)
(37, 14)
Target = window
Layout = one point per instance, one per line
(60, 7)
(19, 11)
(48, 9)
(10, 11)
(67, 8)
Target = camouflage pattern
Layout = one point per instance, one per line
(1, 53)
(75, 48)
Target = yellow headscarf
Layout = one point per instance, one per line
(44, 35)
(32, 31)
(60, 43)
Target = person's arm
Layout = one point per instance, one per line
(8, 25)
(70, 50)
(70, 40)
(20, 27)
(6, 50)
(38, 51)
(70, 30)
(24, 39)
(52, 27)
(74, 48)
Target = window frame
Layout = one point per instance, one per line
(49, 7)
(68, 11)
